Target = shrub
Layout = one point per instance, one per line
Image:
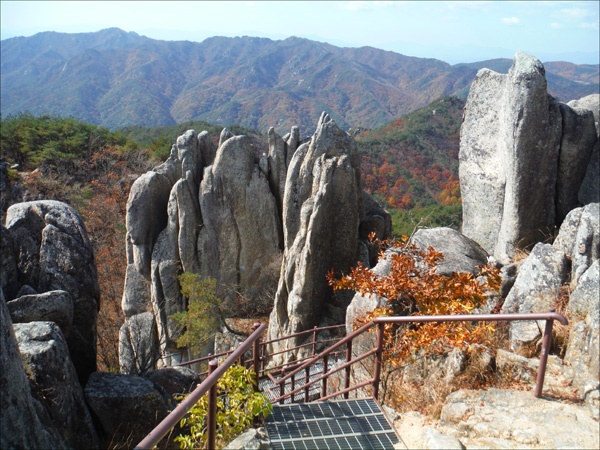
(237, 406)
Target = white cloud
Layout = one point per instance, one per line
(556, 25)
(592, 25)
(511, 20)
(574, 13)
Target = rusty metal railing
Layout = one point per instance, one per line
(208, 385)
(377, 352)
(289, 371)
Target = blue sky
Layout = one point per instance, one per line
(448, 30)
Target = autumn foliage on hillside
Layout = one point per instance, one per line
(413, 161)
(413, 287)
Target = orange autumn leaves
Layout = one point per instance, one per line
(413, 287)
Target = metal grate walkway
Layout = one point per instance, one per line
(344, 424)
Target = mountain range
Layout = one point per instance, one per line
(117, 79)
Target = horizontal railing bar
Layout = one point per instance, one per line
(333, 370)
(300, 333)
(474, 318)
(182, 409)
(349, 389)
(327, 351)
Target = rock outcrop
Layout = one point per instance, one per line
(523, 157)
(205, 211)
(127, 407)
(45, 354)
(322, 212)
(53, 253)
(23, 421)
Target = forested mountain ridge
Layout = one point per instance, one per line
(117, 79)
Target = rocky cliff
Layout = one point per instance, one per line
(523, 158)
(247, 218)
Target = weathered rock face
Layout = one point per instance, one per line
(240, 237)
(53, 306)
(322, 210)
(535, 289)
(579, 239)
(584, 339)
(8, 264)
(45, 354)
(127, 407)
(515, 147)
(578, 140)
(138, 344)
(514, 419)
(20, 423)
(53, 252)
(202, 211)
(461, 254)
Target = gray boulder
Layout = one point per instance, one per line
(188, 152)
(54, 253)
(52, 306)
(138, 344)
(146, 217)
(174, 251)
(579, 239)
(174, 380)
(536, 288)
(277, 165)
(207, 149)
(239, 241)
(322, 212)
(45, 353)
(136, 292)
(126, 407)
(589, 192)
(9, 282)
(461, 254)
(578, 139)
(509, 149)
(584, 338)
(592, 103)
(24, 423)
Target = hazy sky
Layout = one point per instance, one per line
(448, 30)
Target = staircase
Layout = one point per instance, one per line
(342, 424)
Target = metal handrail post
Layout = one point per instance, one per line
(324, 387)
(256, 356)
(378, 360)
(348, 369)
(546, 347)
(211, 419)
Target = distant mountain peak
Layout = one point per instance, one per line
(130, 79)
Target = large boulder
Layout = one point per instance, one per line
(461, 254)
(579, 239)
(54, 253)
(322, 212)
(510, 140)
(138, 344)
(536, 288)
(54, 381)
(9, 274)
(24, 423)
(146, 217)
(126, 407)
(578, 140)
(52, 306)
(584, 339)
